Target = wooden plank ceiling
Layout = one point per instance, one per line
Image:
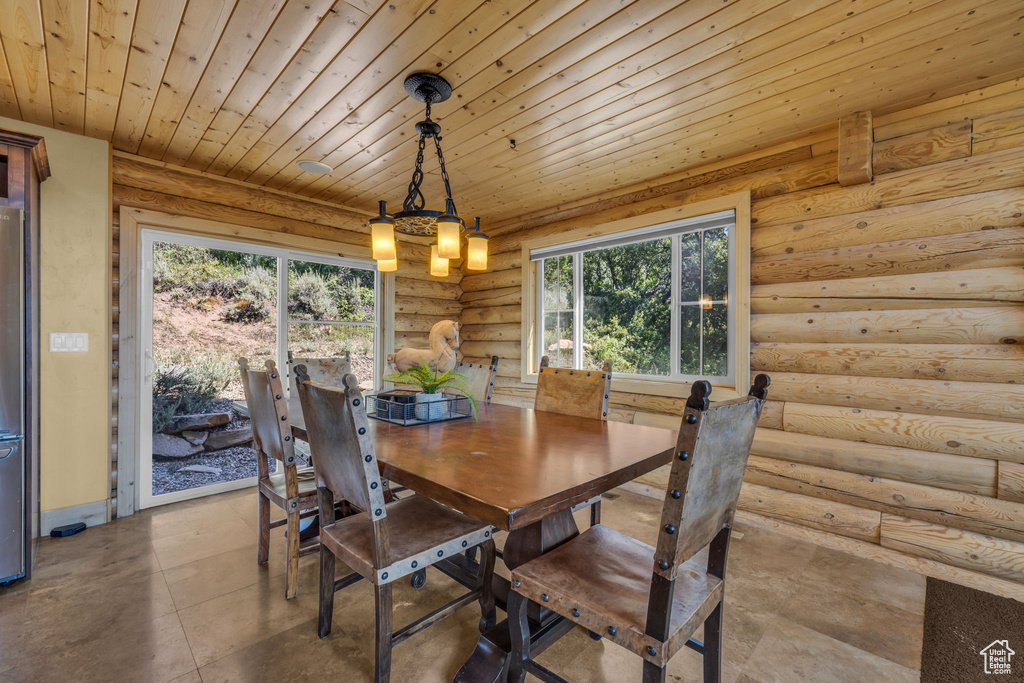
(597, 94)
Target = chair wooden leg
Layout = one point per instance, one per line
(382, 639)
(263, 522)
(713, 646)
(595, 514)
(519, 629)
(486, 577)
(653, 673)
(291, 573)
(326, 592)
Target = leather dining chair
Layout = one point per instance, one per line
(651, 600)
(583, 393)
(479, 378)
(329, 371)
(291, 488)
(386, 542)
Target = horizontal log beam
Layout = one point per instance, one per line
(958, 251)
(956, 509)
(977, 552)
(1005, 283)
(1011, 481)
(952, 141)
(975, 400)
(941, 470)
(1002, 441)
(959, 362)
(965, 213)
(996, 171)
(984, 325)
(837, 518)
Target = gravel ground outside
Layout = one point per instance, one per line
(237, 462)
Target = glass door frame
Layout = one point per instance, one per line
(148, 237)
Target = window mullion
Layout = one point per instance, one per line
(282, 317)
(541, 284)
(675, 334)
(577, 304)
(700, 255)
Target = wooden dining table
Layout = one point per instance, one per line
(521, 471)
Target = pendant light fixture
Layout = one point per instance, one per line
(476, 249)
(415, 218)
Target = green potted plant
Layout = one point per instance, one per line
(432, 384)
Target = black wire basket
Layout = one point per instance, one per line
(408, 408)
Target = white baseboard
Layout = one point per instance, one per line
(90, 513)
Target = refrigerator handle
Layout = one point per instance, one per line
(6, 452)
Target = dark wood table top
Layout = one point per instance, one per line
(515, 466)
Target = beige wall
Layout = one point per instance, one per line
(75, 297)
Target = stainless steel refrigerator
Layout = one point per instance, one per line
(13, 458)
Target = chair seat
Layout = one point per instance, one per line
(421, 532)
(274, 486)
(606, 576)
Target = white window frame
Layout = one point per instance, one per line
(147, 238)
(736, 383)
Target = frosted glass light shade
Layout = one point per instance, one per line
(476, 249)
(476, 256)
(388, 266)
(448, 234)
(438, 265)
(382, 237)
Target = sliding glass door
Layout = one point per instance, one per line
(205, 303)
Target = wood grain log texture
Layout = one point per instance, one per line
(978, 325)
(887, 556)
(855, 143)
(958, 251)
(413, 305)
(952, 141)
(958, 509)
(995, 171)
(1001, 363)
(976, 400)
(941, 470)
(1002, 441)
(148, 174)
(786, 304)
(1011, 481)
(977, 552)
(946, 216)
(1004, 283)
(503, 296)
(837, 518)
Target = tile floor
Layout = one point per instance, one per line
(175, 594)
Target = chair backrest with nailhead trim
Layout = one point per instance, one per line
(340, 442)
(583, 393)
(480, 378)
(268, 415)
(707, 470)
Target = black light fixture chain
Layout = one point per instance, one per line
(414, 200)
(444, 171)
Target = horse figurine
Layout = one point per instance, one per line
(444, 340)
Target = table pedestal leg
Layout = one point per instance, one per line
(487, 663)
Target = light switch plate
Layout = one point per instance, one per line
(69, 342)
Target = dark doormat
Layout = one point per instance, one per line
(968, 632)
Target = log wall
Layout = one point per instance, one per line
(888, 313)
